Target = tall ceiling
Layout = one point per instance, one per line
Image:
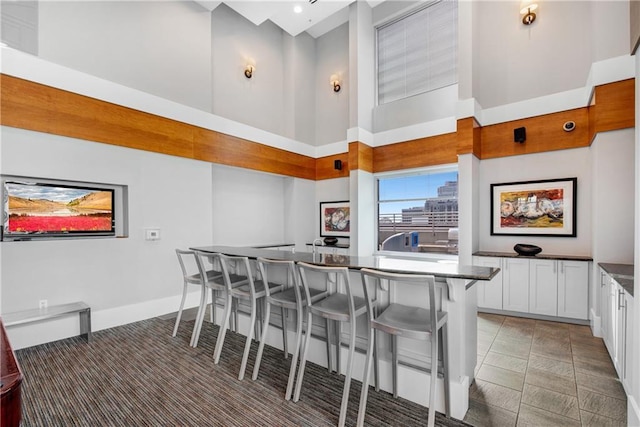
(315, 18)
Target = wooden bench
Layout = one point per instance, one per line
(40, 314)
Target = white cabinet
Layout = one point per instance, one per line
(547, 287)
(573, 289)
(515, 284)
(490, 293)
(543, 287)
(617, 326)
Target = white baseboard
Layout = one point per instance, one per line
(633, 412)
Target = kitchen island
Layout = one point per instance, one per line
(460, 302)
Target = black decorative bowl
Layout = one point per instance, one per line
(330, 241)
(527, 250)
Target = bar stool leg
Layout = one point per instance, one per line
(296, 354)
(365, 379)
(376, 365)
(283, 314)
(184, 297)
(267, 313)
(247, 345)
(329, 325)
(394, 363)
(445, 367)
(336, 330)
(303, 361)
(199, 318)
(212, 317)
(223, 329)
(347, 379)
(431, 418)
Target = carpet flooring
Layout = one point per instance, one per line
(138, 375)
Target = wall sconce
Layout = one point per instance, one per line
(248, 71)
(526, 8)
(335, 82)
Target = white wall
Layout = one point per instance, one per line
(248, 207)
(235, 41)
(513, 62)
(549, 165)
(163, 48)
(613, 196)
(332, 109)
(165, 192)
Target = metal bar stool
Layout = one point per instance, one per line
(214, 282)
(409, 322)
(290, 297)
(240, 286)
(335, 307)
(192, 276)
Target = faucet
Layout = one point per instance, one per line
(315, 246)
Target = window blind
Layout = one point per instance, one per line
(418, 53)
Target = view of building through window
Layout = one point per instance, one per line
(419, 213)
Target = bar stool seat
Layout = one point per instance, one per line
(419, 323)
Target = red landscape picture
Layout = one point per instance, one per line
(50, 209)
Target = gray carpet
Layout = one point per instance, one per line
(138, 375)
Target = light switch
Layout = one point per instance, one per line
(152, 234)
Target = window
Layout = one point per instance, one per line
(419, 212)
(418, 53)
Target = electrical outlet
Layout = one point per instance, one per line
(42, 304)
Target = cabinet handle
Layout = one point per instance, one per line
(554, 267)
(620, 294)
(602, 281)
(561, 267)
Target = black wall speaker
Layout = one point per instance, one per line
(520, 135)
(337, 165)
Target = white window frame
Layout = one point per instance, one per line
(452, 167)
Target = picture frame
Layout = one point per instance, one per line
(535, 208)
(335, 220)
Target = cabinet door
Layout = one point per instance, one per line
(604, 306)
(543, 287)
(629, 366)
(515, 285)
(573, 289)
(621, 332)
(611, 335)
(490, 293)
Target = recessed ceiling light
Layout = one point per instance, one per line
(297, 9)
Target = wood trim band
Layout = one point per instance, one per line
(360, 156)
(544, 133)
(430, 151)
(32, 106)
(325, 167)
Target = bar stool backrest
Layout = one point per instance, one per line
(372, 278)
(291, 280)
(242, 272)
(332, 275)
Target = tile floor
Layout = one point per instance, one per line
(541, 373)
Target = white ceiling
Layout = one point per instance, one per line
(315, 18)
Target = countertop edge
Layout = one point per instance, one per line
(539, 256)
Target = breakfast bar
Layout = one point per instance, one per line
(459, 300)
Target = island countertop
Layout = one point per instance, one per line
(395, 264)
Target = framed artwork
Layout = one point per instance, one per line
(335, 219)
(534, 208)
